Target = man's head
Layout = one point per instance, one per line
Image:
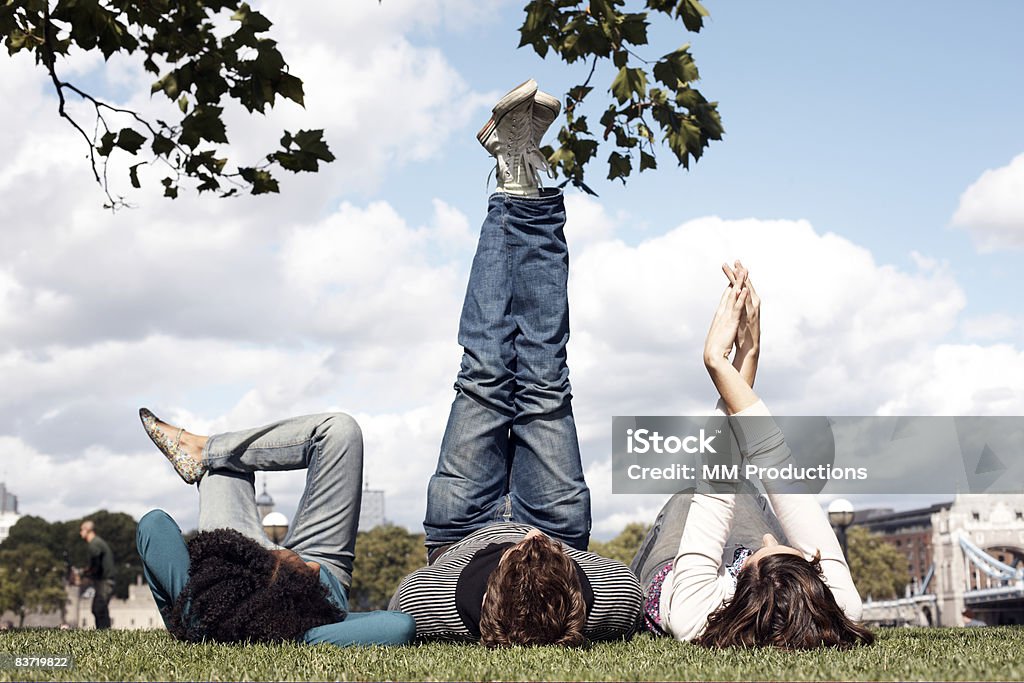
(782, 600)
(238, 590)
(87, 530)
(534, 597)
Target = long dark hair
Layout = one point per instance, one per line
(238, 591)
(782, 600)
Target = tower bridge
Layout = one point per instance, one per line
(967, 554)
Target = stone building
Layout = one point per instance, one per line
(8, 511)
(967, 553)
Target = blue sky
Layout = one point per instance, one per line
(853, 139)
(867, 123)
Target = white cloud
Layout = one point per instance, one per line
(959, 379)
(358, 311)
(992, 327)
(992, 208)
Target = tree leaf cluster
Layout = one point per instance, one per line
(66, 549)
(650, 99)
(878, 568)
(384, 556)
(196, 64)
(30, 581)
(624, 546)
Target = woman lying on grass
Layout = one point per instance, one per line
(701, 582)
(230, 583)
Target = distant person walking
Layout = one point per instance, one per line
(100, 573)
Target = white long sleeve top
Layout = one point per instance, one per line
(698, 583)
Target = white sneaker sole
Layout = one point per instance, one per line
(515, 97)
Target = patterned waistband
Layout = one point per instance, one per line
(652, 603)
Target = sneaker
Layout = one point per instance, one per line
(511, 136)
(545, 111)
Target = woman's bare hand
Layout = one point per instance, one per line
(748, 334)
(722, 336)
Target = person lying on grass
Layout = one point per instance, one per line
(230, 583)
(508, 510)
(795, 596)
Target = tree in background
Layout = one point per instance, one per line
(31, 580)
(624, 546)
(62, 541)
(201, 69)
(879, 570)
(384, 555)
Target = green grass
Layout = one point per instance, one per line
(900, 654)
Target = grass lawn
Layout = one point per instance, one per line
(900, 654)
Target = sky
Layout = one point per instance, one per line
(871, 177)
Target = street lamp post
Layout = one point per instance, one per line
(275, 526)
(840, 516)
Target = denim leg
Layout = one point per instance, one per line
(165, 560)
(661, 544)
(329, 447)
(486, 327)
(546, 483)
(752, 519)
(467, 491)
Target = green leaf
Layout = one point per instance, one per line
(312, 142)
(634, 28)
(291, 87)
(106, 145)
(169, 84)
(262, 182)
(162, 145)
(204, 123)
(692, 14)
(133, 174)
(619, 166)
(647, 161)
(629, 82)
(130, 140)
(676, 67)
(578, 92)
(170, 189)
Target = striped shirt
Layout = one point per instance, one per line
(428, 594)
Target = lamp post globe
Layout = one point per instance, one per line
(840, 515)
(840, 512)
(275, 526)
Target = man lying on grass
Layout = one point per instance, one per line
(508, 510)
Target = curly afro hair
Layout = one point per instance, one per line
(238, 591)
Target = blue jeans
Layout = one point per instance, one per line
(510, 451)
(330, 448)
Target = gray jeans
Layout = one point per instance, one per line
(329, 447)
(752, 520)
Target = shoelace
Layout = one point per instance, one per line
(521, 153)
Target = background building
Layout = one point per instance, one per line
(8, 511)
(372, 512)
(968, 553)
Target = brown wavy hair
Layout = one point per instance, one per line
(782, 601)
(534, 597)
